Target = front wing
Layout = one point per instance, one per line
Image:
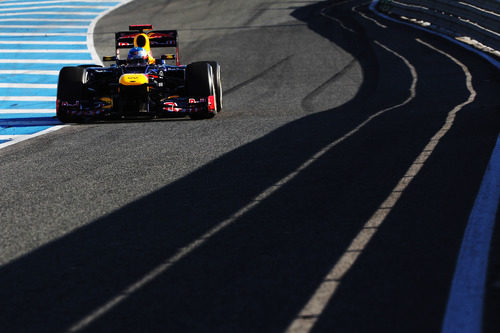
(106, 108)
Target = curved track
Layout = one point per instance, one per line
(337, 134)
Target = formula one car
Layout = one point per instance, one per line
(140, 86)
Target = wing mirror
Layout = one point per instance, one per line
(109, 58)
(165, 57)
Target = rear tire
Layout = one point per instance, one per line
(200, 84)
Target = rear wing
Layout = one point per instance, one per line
(157, 39)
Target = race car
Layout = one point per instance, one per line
(140, 86)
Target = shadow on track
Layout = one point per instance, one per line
(256, 274)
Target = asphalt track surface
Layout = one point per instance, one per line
(110, 227)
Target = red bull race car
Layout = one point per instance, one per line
(140, 86)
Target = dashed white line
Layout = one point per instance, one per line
(28, 98)
(11, 137)
(11, 4)
(30, 51)
(28, 85)
(37, 26)
(43, 34)
(30, 42)
(23, 7)
(355, 9)
(342, 25)
(27, 71)
(49, 13)
(44, 19)
(41, 61)
(15, 111)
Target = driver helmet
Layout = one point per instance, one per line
(137, 56)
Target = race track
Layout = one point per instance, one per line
(331, 193)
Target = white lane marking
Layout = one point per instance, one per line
(19, 138)
(28, 98)
(43, 34)
(10, 4)
(41, 61)
(41, 121)
(43, 51)
(317, 303)
(30, 42)
(310, 313)
(48, 13)
(44, 19)
(464, 310)
(484, 55)
(323, 13)
(28, 85)
(15, 111)
(188, 249)
(20, 8)
(37, 26)
(479, 8)
(11, 137)
(355, 9)
(27, 71)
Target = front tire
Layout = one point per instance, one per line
(200, 84)
(70, 89)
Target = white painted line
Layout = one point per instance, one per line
(43, 19)
(43, 121)
(355, 9)
(27, 71)
(43, 34)
(21, 8)
(43, 51)
(34, 25)
(28, 98)
(11, 137)
(464, 311)
(41, 61)
(15, 111)
(28, 85)
(307, 317)
(312, 310)
(488, 58)
(48, 13)
(10, 4)
(188, 249)
(19, 138)
(29, 42)
(323, 13)
(480, 9)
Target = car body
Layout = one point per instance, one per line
(127, 90)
